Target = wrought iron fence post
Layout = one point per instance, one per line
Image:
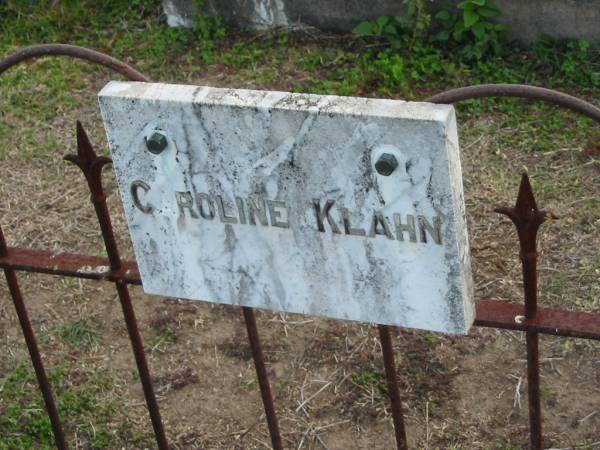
(91, 165)
(34, 352)
(525, 215)
(387, 350)
(527, 219)
(263, 378)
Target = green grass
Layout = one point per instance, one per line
(161, 340)
(85, 406)
(548, 393)
(36, 97)
(432, 339)
(371, 378)
(80, 333)
(137, 33)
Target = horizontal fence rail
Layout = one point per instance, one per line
(489, 313)
(526, 317)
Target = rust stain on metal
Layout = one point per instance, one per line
(91, 165)
(389, 363)
(557, 322)
(527, 219)
(263, 378)
(489, 313)
(69, 265)
(34, 352)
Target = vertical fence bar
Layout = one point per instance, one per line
(527, 219)
(34, 352)
(533, 390)
(142, 365)
(528, 255)
(387, 350)
(263, 378)
(525, 216)
(91, 166)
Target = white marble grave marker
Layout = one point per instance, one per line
(282, 201)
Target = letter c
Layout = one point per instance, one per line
(146, 209)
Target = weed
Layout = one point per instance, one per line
(400, 31)
(371, 378)
(385, 26)
(418, 18)
(431, 338)
(25, 424)
(548, 394)
(82, 333)
(162, 339)
(560, 283)
(391, 68)
(37, 97)
(249, 383)
(282, 385)
(472, 28)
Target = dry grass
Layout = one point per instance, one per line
(327, 376)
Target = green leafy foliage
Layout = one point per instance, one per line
(141, 36)
(91, 403)
(400, 31)
(418, 18)
(391, 28)
(472, 28)
(578, 52)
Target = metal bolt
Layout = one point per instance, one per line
(386, 164)
(156, 143)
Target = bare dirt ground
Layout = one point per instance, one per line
(327, 376)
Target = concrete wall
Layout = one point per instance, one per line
(527, 20)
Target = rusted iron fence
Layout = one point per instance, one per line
(525, 215)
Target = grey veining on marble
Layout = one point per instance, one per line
(271, 200)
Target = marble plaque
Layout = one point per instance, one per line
(341, 207)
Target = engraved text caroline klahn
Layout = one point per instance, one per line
(264, 212)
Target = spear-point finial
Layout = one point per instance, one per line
(525, 199)
(525, 213)
(88, 161)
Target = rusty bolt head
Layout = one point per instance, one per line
(156, 143)
(386, 164)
